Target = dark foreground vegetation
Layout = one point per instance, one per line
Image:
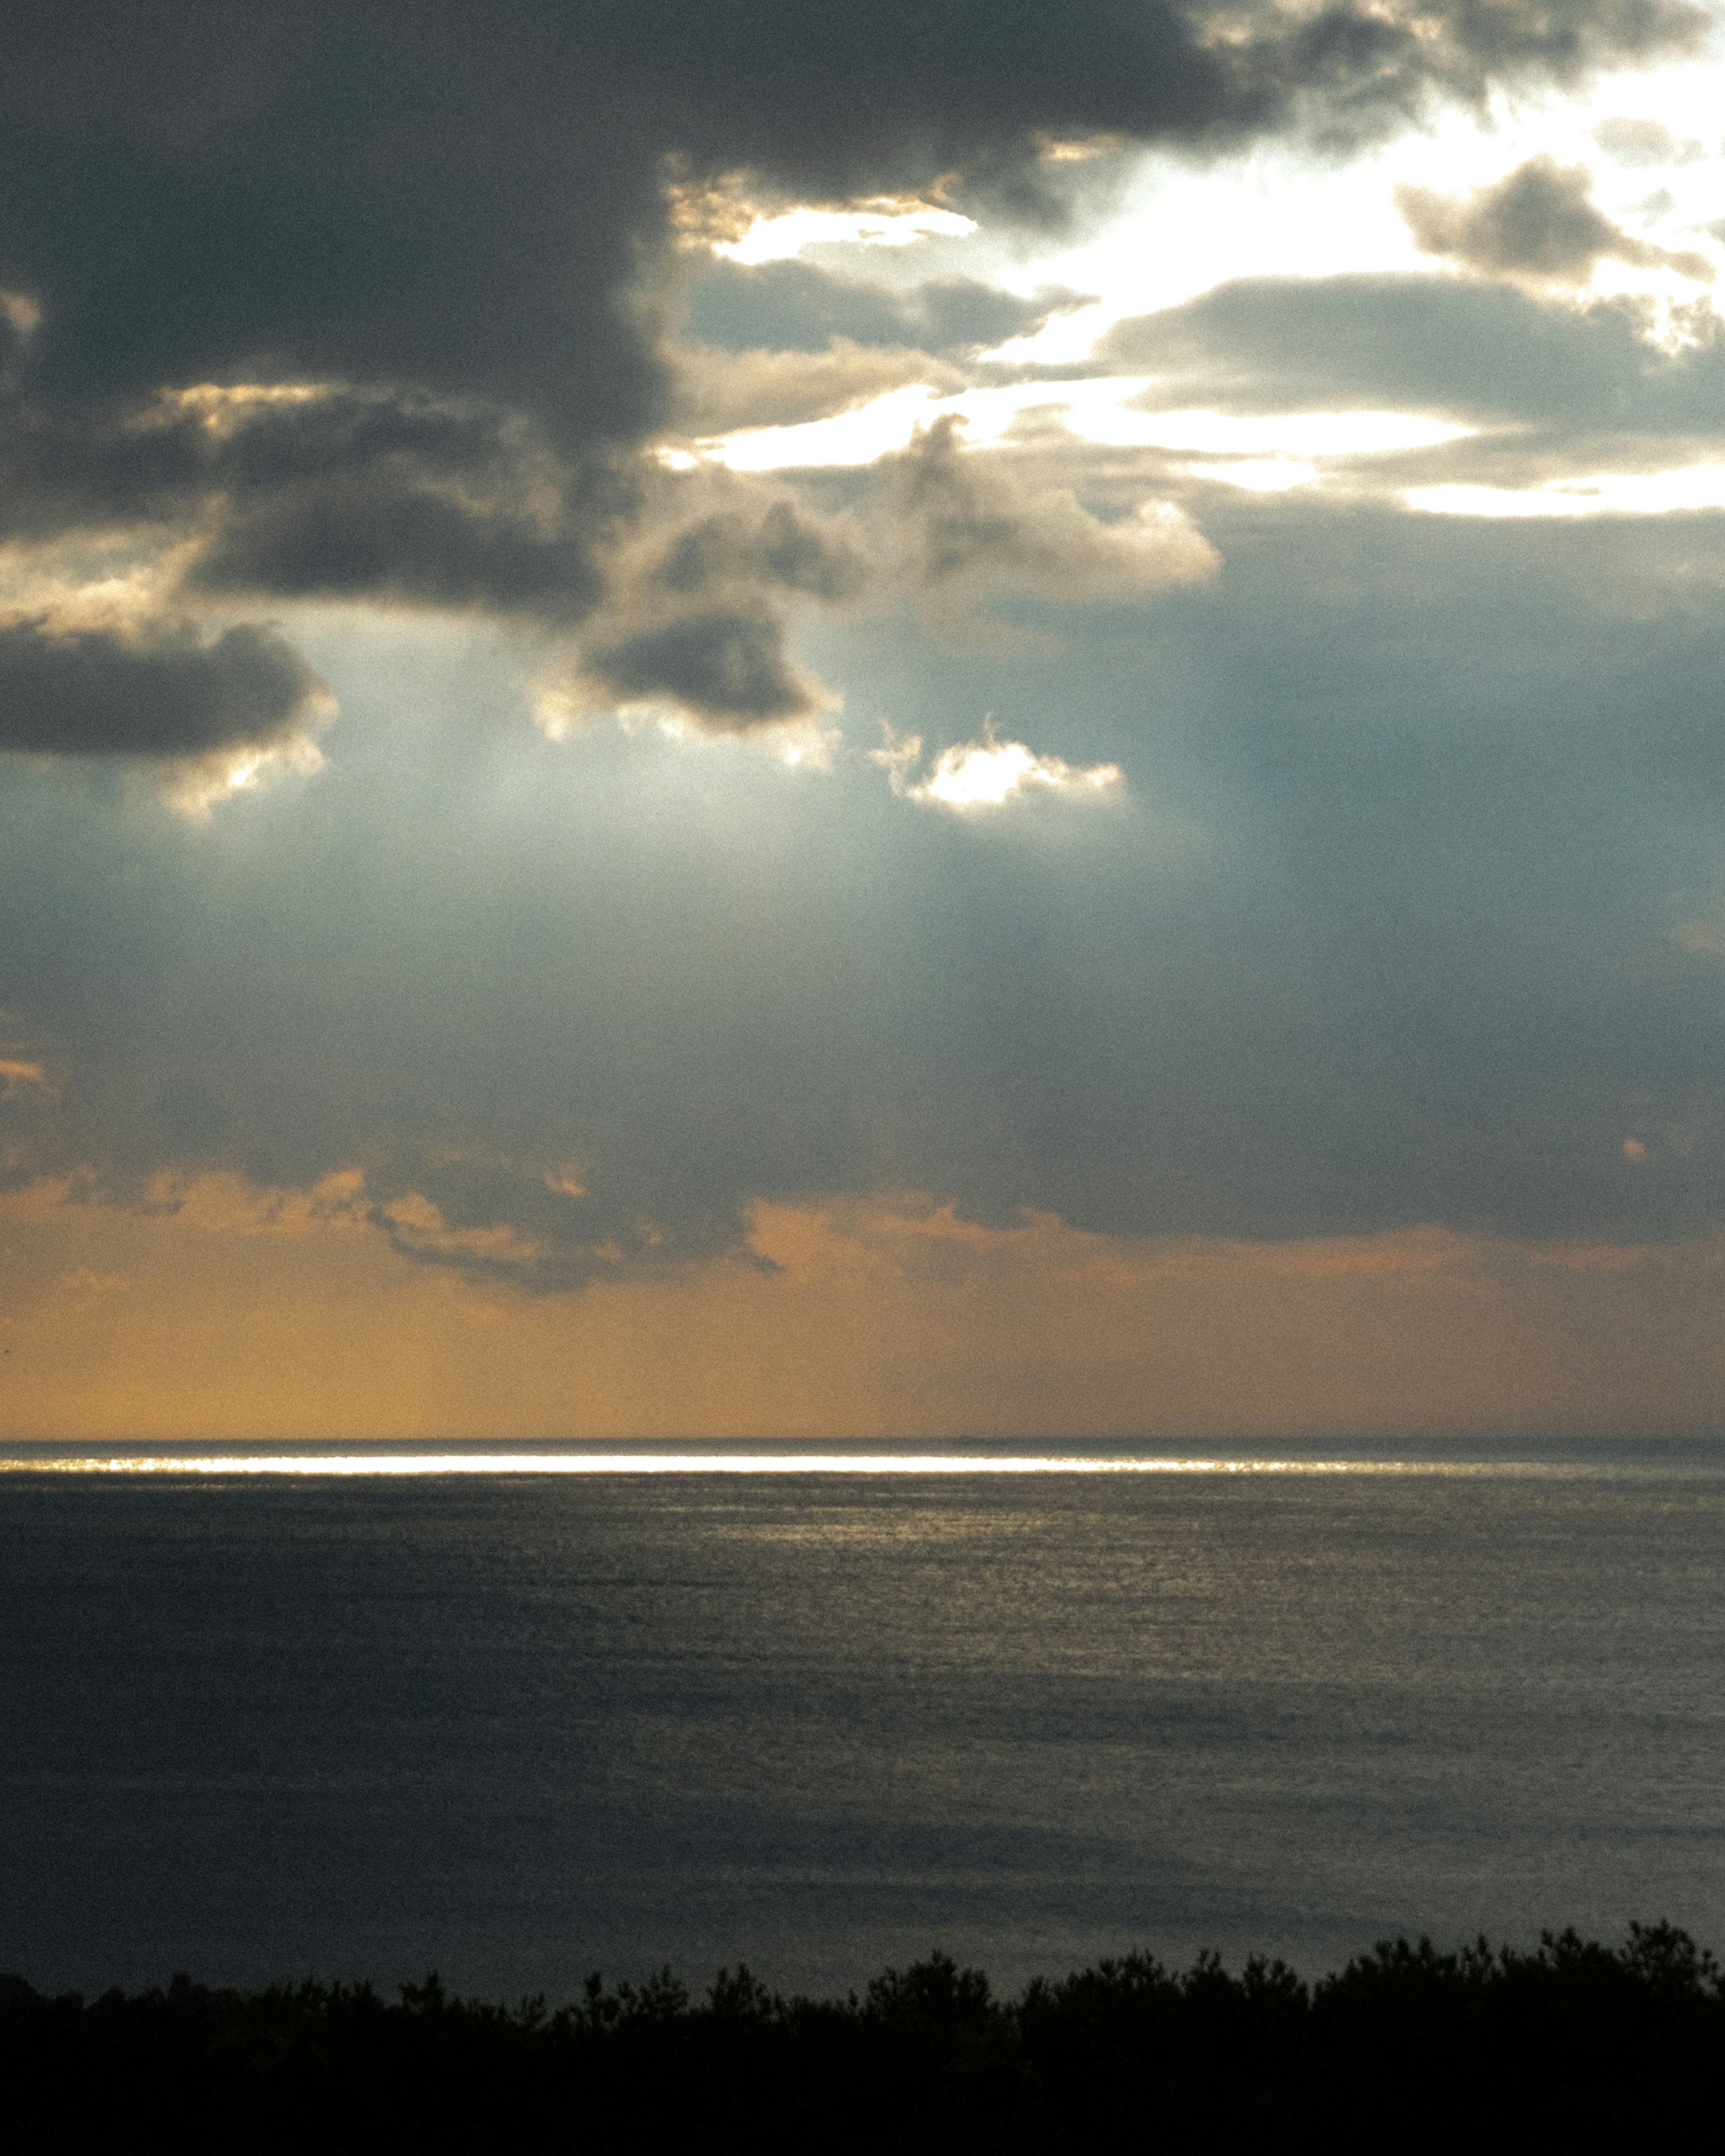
(1587, 2043)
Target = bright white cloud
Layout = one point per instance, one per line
(1601, 494)
(871, 224)
(1259, 475)
(1264, 434)
(986, 774)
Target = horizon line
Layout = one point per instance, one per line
(357, 1464)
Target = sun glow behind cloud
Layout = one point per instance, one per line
(1276, 211)
(1602, 493)
(1259, 475)
(778, 237)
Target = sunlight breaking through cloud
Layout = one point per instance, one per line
(884, 224)
(985, 774)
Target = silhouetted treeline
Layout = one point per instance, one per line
(1406, 2045)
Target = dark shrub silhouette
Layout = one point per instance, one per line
(1407, 2044)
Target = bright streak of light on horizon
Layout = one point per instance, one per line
(738, 1463)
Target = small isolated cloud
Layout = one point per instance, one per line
(990, 773)
(1642, 144)
(1471, 350)
(1537, 221)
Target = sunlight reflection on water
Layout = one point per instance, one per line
(518, 1714)
(750, 1463)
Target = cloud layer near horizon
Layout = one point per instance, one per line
(246, 1315)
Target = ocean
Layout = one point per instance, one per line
(519, 1720)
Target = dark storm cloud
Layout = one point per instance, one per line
(865, 100)
(367, 196)
(349, 539)
(455, 219)
(1469, 350)
(792, 307)
(93, 692)
(125, 460)
(1537, 221)
(335, 494)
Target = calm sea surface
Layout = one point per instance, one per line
(519, 1725)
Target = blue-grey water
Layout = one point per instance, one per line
(516, 1726)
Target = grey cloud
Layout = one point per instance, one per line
(1474, 351)
(1641, 143)
(700, 622)
(1537, 221)
(95, 692)
(1530, 456)
(780, 549)
(793, 306)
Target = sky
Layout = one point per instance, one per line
(791, 722)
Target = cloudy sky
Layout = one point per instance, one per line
(780, 721)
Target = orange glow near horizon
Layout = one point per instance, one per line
(247, 1317)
